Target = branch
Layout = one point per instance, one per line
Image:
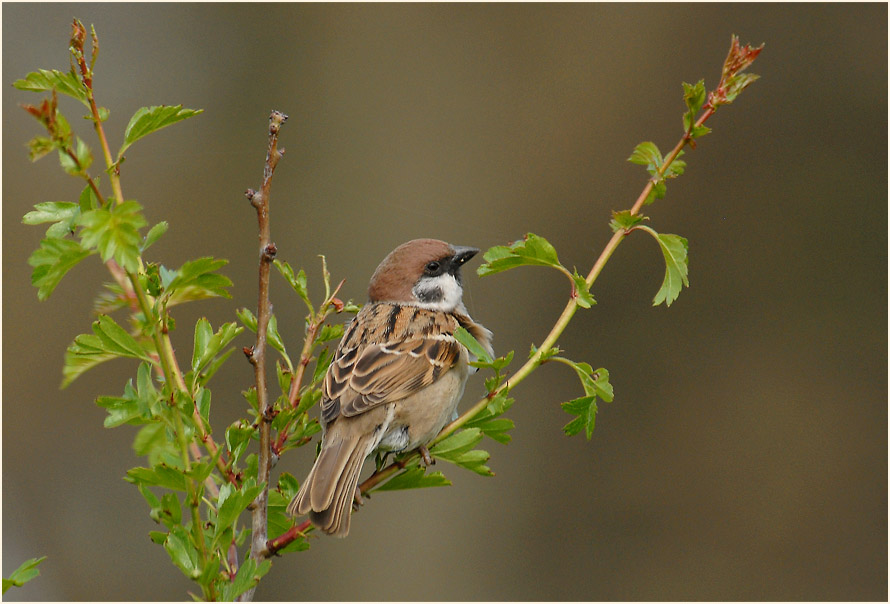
(731, 83)
(257, 355)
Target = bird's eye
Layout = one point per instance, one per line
(432, 267)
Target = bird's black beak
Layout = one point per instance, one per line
(462, 255)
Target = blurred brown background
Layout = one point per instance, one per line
(745, 455)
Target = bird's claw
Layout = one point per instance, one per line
(425, 454)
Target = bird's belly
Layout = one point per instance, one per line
(419, 418)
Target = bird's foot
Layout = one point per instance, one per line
(357, 500)
(425, 454)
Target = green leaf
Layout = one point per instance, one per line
(114, 231)
(275, 340)
(170, 510)
(110, 341)
(115, 339)
(24, 573)
(458, 449)
(496, 429)
(238, 437)
(414, 478)
(288, 486)
(296, 281)
(131, 408)
(154, 234)
(88, 200)
(247, 317)
(197, 279)
(153, 441)
(624, 220)
(457, 443)
(675, 250)
(694, 95)
(581, 291)
(646, 154)
(149, 119)
(62, 213)
(51, 261)
(182, 552)
(53, 79)
(532, 250)
(231, 507)
(737, 83)
(328, 333)
(161, 475)
(39, 146)
(470, 343)
(585, 409)
(249, 575)
(209, 344)
(84, 159)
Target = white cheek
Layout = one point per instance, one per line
(451, 293)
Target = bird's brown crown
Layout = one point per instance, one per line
(397, 274)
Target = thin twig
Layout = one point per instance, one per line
(260, 201)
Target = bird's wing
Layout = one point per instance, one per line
(385, 373)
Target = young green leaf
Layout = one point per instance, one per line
(238, 436)
(297, 281)
(52, 79)
(62, 214)
(496, 429)
(646, 154)
(532, 250)
(88, 200)
(694, 97)
(24, 573)
(624, 220)
(675, 250)
(581, 291)
(329, 332)
(136, 406)
(470, 343)
(232, 506)
(209, 344)
(115, 339)
(458, 449)
(51, 261)
(585, 409)
(161, 475)
(154, 234)
(108, 342)
(276, 342)
(182, 552)
(114, 231)
(149, 119)
(195, 280)
(80, 163)
(154, 442)
(39, 146)
(247, 318)
(414, 478)
(248, 576)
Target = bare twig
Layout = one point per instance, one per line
(257, 356)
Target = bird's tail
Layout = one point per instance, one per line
(327, 493)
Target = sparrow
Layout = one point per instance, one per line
(396, 377)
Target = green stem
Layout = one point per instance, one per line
(550, 340)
